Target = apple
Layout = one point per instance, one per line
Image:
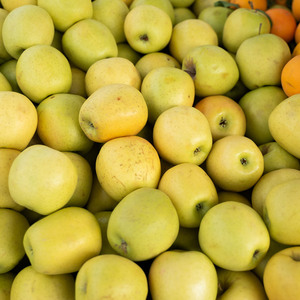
(224, 196)
(191, 191)
(182, 134)
(4, 83)
(111, 276)
(42, 70)
(13, 226)
(87, 41)
(18, 120)
(199, 5)
(189, 34)
(58, 123)
(8, 69)
(182, 14)
(9, 5)
(235, 163)
(225, 116)
(30, 284)
(178, 274)
(147, 28)
(111, 13)
(212, 68)
(65, 13)
(257, 70)
(283, 121)
(267, 182)
(125, 51)
(42, 179)
(110, 71)
(127, 163)
(227, 239)
(61, 242)
(78, 82)
(56, 42)
(242, 24)
(4, 55)
(112, 111)
(275, 157)
(154, 60)
(182, 3)
(187, 239)
(282, 275)
(6, 281)
(239, 285)
(166, 87)
(26, 26)
(143, 224)
(257, 106)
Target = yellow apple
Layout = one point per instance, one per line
(30, 284)
(182, 3)
(113, 111)
(125, 51)
(225, 116)
(13, 226)
(12, 4)
(42, 70)
(111, 276)
(61, 242)
(111, 70)
(6, 280)
(199, 5)
(235, 163)
(8, 69)
(187, 239)
(42, 179)
(166, 87)
(78, 82)
(4, 83)
(182, 134)
(4, 55)
(178, 274)
(191, 191)
(226, 237)
(182, 14)
(26, 26)
(143, 224)
(18, 120)
(282, 275)
(224, 196)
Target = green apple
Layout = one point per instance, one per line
(166, 87)
(182, 14)
(13, 226)
(189, 34)
(239, 285)
(232, 196)
(110, 71)
(4, 83)
(65, 13)
(58, 123)
(83, 188)
(87, 41)
(111, 13)
(187, 239)
(257, 70)
(12, 4)
(178, 274)
(147, 28)
(216, 17)
(154, 60)
(199, 5)
(182, 134)
(42, 70)
(267, 182)
(30, 284)
(191, 191)
(18, 120)
(7, 156)
(225, 116)
(227, 239)
(125, 51)
(283, 121)
(8, 69)
(282, 275)
(78, 82)
(61, 242)
(182, 3)
(99, 200)
(42, 179)
(26, 26)
(242, 24)
(4, 55)
(111, 276)
(212, 68)
(275, 157)
(257, 106)
(112, 111)
(127, 163)
(235, 163)
(143, 224)
(281, 212)
(6, 280)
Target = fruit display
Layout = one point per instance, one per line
(149, 149)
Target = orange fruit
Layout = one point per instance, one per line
(296, 50)
(283, 23)
(297, 34)
(295, 7)
(255, 4)
(290, 76)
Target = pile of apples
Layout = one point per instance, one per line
(148, 150)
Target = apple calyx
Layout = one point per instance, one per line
(190, 68)
(256, 252)
(144, 37)
(244, 161)
(295, 256)
(223, 122)
(197, 151)
(122, 246)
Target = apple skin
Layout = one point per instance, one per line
(8, 69)
(125, 51)
(282, 275)
(4, 55)
(6, 281)
(182, 14)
